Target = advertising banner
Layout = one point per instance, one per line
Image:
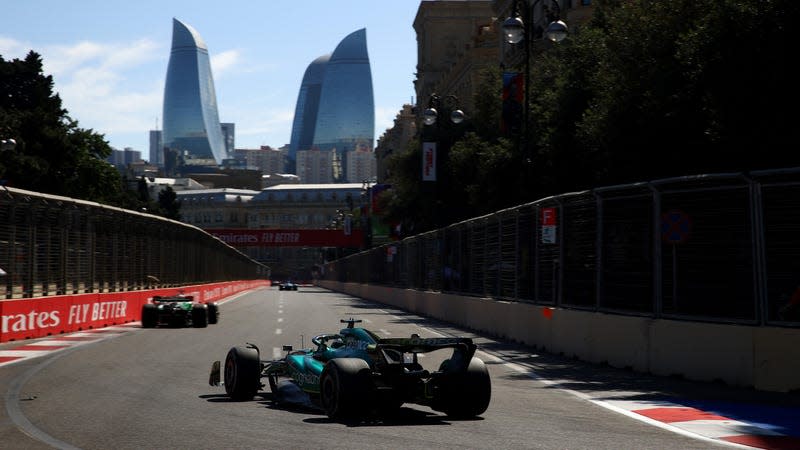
(47, 316)
(513, 95)
(248, 237)
(429, 161)
(549, 225)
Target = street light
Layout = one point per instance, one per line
(437, 105)
(515, 30)
(431, 114)
(7, 144)
(433, 159)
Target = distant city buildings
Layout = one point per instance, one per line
(361, 165)
(266, 159)
(300, 210)
(192, 132)
(229, 137)
(156, 148)
(121, 158)
(335, 110)
(315, 166)
(395, 140)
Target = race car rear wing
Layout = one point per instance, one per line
(416, 344)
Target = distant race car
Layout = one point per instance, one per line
(179, 311)
(287, 286)
(355, 374)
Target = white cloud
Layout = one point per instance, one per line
(110, 88)
(222, 62)
(384, 119)
(11, 48)
(263, 127)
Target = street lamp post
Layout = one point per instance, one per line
(515, 29)
(433, 158)
(7, 144)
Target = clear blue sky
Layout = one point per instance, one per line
(109, 58)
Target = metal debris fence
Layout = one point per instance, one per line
(718, 247)
(52, 245)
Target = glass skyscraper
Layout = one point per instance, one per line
(305, 112)
(191, 120)
(336, 107)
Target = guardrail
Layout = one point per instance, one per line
(51, 245)
(719, 248)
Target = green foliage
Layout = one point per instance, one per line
(667, 88)
(410, 204)
(646, 90)
(52, 153)
(168, 204)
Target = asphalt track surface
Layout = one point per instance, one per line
(133, 388)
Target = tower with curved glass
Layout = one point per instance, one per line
(191, 120)
(342, 113)
(305, 111)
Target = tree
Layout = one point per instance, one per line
(168, 203)
(648, 89)
(53, 154)
(667, 88)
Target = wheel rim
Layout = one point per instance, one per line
(230, 372)
(328, 393)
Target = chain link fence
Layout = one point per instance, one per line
(53, 245)
(719, 248)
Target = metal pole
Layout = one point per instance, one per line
(528, 14)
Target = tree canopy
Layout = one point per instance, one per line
(646, 90)
(52, 153)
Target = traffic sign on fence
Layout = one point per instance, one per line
(676, 226)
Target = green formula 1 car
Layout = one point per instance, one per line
(354, 374)
(178, 311)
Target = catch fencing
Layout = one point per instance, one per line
(52, 245)
(719, 248)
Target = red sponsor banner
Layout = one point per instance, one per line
(47, 316)
(246, 237)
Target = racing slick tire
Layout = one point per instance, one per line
(199, 316)
(466, 394)
(149, 315)
(213, 313)
(345, 387)
(242, 373)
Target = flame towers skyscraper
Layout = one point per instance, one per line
(191, 119)
(336, 106)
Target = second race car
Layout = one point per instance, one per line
(179, 311)
(287, 286)
(354, 373)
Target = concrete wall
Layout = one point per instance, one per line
(765, 358)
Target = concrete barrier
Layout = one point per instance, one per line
(764, 358)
